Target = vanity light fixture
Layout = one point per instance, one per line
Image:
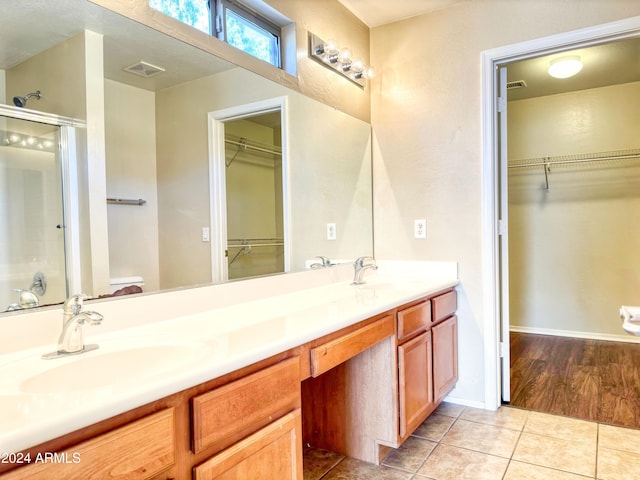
(340, 60)
(565, 67)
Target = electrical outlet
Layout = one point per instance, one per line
(332, 234)
(420, 228)
(205, 234)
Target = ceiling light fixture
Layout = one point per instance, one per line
(565, 67)
(340, 60)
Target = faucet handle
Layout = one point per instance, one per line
(28, 299)
(325, 261)
(73, 304)
(360, 261)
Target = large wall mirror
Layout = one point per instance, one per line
(146, 121)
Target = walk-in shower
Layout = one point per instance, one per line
(37, 159)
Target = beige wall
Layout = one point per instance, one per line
(328, 18)
(329, 171)
(573, 250)
(70, 77)
(59, 73)
(426, 115)
(130, 136)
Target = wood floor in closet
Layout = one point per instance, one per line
(586, 379)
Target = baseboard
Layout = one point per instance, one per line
(575, 334)
(464, 402)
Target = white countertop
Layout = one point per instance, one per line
(43, 399)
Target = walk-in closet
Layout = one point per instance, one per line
(574, 225)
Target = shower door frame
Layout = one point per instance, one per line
(70, 187)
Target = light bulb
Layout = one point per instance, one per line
(345, 56)
(357, 67)
(331, 51)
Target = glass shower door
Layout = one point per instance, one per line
(32, 242)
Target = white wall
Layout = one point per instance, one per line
(426, 116)
(573, 250)
(130, 136)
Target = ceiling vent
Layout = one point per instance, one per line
(516, 84)
(143, 69)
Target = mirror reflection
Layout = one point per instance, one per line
(212, 171)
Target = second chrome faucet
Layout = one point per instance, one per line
(359, 267)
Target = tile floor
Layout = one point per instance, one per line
(460, 443)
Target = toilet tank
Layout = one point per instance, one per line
(120, 282)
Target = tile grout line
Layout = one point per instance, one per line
(437, 443)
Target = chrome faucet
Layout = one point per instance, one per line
(360, 266)
(71, 341)
(323, 263)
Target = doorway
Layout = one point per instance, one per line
(248, 179)
(255, 229)
(495, 222)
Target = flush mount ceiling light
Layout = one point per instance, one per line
(565, 67)
(340, 60)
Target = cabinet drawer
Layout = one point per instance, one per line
(444, 305)
(229, 413)
(274, 452)
(335, 352)
(137, 451)
(413, 319)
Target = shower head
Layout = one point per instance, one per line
(22, 101)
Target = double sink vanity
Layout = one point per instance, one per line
(237, 386)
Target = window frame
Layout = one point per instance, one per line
(219, 26)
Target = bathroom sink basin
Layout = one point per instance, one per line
(108, 367)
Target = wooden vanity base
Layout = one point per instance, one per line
(359, 391)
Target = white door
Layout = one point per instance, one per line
(503, 230)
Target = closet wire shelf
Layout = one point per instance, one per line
(547, 162)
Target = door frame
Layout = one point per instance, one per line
(217, 176)
(491, 59)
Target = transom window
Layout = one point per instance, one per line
(231, 21)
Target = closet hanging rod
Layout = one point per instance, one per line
(253, 147)
(257, 245)
(271, 239)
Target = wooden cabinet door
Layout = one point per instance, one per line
(415, 383)
(275, 452)
(137, 451)
(445, 357)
